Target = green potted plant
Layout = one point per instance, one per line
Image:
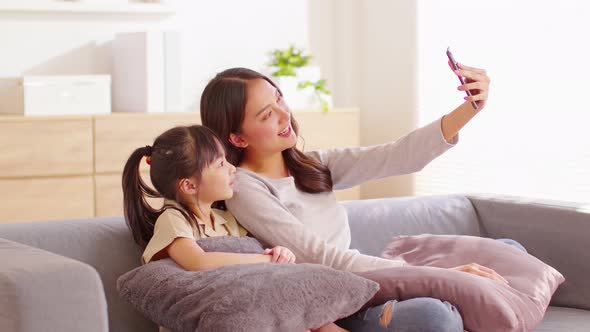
(299, 81)
(320, 90)
(287, 61)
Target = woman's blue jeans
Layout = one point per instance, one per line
(422, 314)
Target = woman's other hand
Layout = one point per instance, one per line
(479, 270)
(280, 255)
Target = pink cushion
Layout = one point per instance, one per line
(484, 304)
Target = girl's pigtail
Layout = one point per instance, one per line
(139, 215)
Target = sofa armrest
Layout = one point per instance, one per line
(555, 232)
(42, 291)
(374, 222)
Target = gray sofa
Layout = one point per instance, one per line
(60, 275)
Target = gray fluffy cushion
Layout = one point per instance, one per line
(245, 297)
(242, 245)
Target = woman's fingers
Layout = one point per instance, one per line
(487, 272)
(477, 70)
(486, 275)
(481, 267)
(472, 86)
(475, 76)
(482, 271)
(494, 276)
(492, 272)
(477, 82)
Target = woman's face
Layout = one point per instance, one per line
(266, 128)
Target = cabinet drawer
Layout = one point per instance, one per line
(118, 135)
(109, 195)
(32, 147)
(46, 198)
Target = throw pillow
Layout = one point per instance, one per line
(485, 305)
(243, 297)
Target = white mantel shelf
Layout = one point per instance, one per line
(81, 7)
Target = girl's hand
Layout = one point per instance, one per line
(479, 270)
(280, 255)
(477, 81)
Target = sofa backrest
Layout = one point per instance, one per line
(553, 231)
(106, 243)
(374, 222)
(103, 243)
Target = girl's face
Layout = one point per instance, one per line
(266, 128)
(217, 181)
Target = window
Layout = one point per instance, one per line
(533, 137)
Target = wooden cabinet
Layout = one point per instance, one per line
(47, 198)
(117, 135)
(70, 167)
(45, 148)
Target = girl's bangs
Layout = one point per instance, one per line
(211, 149)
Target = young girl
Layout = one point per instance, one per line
(293, 190)
(188, 169)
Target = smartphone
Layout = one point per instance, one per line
(455, 67)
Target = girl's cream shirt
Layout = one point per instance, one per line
(171, 224)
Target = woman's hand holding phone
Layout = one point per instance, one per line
(474, 81)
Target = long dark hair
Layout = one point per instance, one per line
(223, 106)
(180, 152)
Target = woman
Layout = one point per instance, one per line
(285, 196)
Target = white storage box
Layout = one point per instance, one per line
(56, 95)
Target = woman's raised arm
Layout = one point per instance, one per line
(478, 82)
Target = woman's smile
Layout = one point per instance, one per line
(285, 133)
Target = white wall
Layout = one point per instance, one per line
(334, 37)
(367, 51)
(215, 35)
(388, 83)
